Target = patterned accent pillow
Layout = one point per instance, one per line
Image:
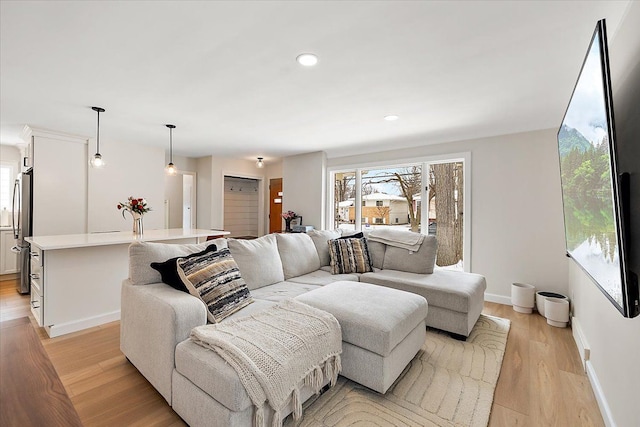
(349, 256)
(215, 279)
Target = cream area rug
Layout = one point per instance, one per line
(448, 383)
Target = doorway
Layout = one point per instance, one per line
(188, 197)
(180, 200)
(275, 205)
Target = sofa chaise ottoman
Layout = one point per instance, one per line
(156, 319)
(455, 299)
(382, 329)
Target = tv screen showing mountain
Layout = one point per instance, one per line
(584, 146)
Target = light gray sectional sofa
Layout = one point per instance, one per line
(156, 319)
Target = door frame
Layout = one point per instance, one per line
(270, 204)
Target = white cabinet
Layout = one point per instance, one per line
(60, 165)
(37, 280)
(76, 279)
(27, 160)
(9, 259)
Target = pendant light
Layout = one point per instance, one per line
(171, 169)
(260, 163)
(96, 160)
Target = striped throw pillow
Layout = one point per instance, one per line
(349, 256)
(215, 279)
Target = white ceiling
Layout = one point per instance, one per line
(225, 72)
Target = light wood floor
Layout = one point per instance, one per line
(542, 382)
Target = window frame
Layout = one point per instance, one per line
(424, 162)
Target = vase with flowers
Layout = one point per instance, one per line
(288, 217)
(137, 207)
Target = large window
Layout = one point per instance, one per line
(423, 197)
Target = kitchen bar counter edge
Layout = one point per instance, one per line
(68, 241)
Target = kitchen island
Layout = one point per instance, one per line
(76, 278)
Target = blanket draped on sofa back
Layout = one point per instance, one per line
(276, 351)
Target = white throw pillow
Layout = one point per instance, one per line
(321, 241)
(298, 254)
(258, 260)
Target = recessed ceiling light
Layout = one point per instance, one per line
(391, 118)
(307, 59)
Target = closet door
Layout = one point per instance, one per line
(241, 207)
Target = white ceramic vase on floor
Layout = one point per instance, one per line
(556, 311)
(523, 297)
(541, 296)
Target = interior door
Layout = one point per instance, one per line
(275, 205)
(187, 201)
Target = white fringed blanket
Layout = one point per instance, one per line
(276, 351)
(398, 238)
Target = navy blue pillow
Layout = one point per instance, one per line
(169, 269)
(359, 235)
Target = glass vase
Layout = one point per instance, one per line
(137, 223)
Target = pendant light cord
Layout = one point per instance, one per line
(98, 110)
(98, 135)
(170, 145)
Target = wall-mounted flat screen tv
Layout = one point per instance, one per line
(595, 195)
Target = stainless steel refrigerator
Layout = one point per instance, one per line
(22, 222)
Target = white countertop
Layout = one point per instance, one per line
(117, 237)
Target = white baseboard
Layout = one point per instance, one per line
(500, 299)
(78, 325)
(600, 397)
(584, 350)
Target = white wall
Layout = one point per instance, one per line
(173, 188)
(211, 172)
(11, 156)
(131, 170)
(184, 164)
(614, 342)
(203, 191)
(517, 230)
(304, 187)
(173, 196)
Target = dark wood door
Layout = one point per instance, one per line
(275, 205)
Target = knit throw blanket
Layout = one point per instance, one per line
(399, 238)
(275, 352)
